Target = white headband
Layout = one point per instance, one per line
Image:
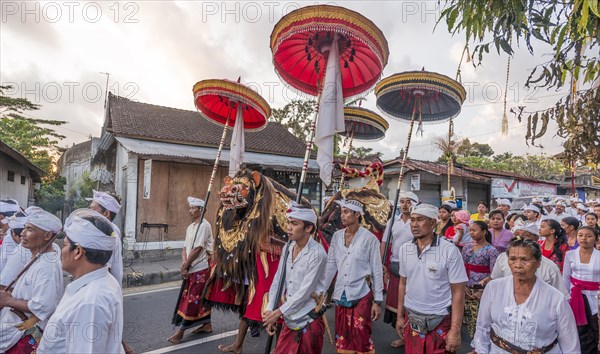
(533, 208)
(409, 195)
(86, 234)
(45, 221)
(17, 222)
(529, 227)
(582, 207)
(501, 201)
(6, 207)
(351, 204)
(304, 214)
(195, 202)
(107, 201)
(427, 210)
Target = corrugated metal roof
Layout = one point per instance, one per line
(157, 148)
(436, 168)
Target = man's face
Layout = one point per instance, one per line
(295, 229)
(98, 208)
(421, 226)
(597, 210)
(548, 208)
(560, 208)
(405, 205)
(349, 217)
(33, 237)
(195, 212)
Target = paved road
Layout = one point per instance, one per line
(148, 314)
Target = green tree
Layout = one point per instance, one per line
(296, 116)
(27, 135)
(38, 143)
(533, 166)
(466, 148)
(51, 195)
(80, 189)
(572, 28)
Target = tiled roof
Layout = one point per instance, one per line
(435, 168)
(151, 122)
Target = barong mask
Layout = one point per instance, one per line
(234, 194)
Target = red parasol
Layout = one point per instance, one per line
(362, 124)
(299, 39)
(222, 102)
(434, 97)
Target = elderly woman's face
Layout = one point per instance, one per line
(522, 263)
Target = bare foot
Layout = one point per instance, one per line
(176, 338)
(205, 328)
(398, 343)
(232, 348)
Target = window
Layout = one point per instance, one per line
(23, 179)
(11, 176)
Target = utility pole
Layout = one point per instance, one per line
(106, 89)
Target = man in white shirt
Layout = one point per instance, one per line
(108, 206)
(559, 211)
(302, 330)
(89, 318)
(401, 234)
(197, 249)
(503, 205)
(432, 288)
(37, 292)
(354, 254)
(17, 257)
(7, 209)
(548, 270)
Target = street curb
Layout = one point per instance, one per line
(131, 280)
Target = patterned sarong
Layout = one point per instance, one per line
(353, 327)
(308, 340)
(191, 309)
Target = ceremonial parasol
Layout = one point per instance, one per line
(430, 96)
(225, 102)
(301, 43)
(362, 124)
(351, 49)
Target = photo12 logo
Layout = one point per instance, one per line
(71, 91)
(69, 11)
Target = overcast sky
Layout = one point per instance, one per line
(54, 53)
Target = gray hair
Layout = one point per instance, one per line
(533, 246)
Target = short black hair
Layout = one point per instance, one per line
(496, 212)
(93, 256)
(111, 215)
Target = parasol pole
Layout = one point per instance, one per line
(347, 155)
(450, 162)
(210, 185)
(286, 253)
(418, 95)
(309, 143)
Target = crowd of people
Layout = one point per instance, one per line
(521, 282)
(38, 313)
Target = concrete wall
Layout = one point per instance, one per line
(23, 193)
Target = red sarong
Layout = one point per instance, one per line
(308, 340)
(391, 300)
(576, 300)
(353, 327)
(25, 345)
(476, 268)
(190, 306)
(433, 342)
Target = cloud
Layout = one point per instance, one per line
(156, 50)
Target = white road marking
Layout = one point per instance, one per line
(151, 291)
(173, 348)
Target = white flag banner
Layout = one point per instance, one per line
(236, 153)
(331, 113)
